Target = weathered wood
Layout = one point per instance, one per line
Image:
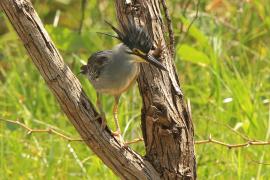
(166, 122)
(126, 163)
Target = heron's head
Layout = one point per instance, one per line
(138, 41)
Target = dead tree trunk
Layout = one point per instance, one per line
(166, 124)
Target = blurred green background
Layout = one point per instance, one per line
(224, 69)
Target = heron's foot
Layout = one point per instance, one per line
(119, 137)
(158, 51)
(116, 133)
(134, 141)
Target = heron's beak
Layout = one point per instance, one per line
(142, 57)
(149, 58)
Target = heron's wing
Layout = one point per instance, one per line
(98, 61)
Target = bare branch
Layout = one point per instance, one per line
(49, 130)
(230, 146)
(192, 21)
(210, 140)
(186, 7)
(53, 131)
(238, 133)
(67, 89)
(196, 16)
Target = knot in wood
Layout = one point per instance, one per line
(24, 6)
(159, 114)
(133, 7)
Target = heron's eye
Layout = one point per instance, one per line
(137, 51)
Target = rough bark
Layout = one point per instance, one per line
(166, 124)
(166, 121)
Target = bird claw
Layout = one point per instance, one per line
(134, 141)
(116, 133)
(119, 137)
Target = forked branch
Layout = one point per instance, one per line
(67, 89)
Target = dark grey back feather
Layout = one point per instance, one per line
(96, 62)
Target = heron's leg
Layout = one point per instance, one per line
(115, 115)
(99, 106)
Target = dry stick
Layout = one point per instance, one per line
(67, 89)
(186, 7)
(238, 133)
(208, 141)
(184, 14)
(196, 15)
(49, 130)
(230, 146)
(233, 130)
(191, 23)
(53, 131)
(170, 28)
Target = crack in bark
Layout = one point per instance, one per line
(165, 125)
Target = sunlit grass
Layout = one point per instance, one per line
(224, 68)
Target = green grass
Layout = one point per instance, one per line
(225, 56)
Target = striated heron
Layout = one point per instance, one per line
(113, 71)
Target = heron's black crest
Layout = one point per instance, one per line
(134, 37)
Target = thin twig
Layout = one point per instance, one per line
(49, 130)
(170, 28)
(196, 16)
(210, 140)
(52, 131)
(238, 133)
(186, 4)
(191, 23)
(186, 7)
(230, 146)
(245, 138)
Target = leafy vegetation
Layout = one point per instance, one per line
(224, 68)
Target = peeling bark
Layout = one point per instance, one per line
(166, 124)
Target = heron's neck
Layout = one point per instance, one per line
(120, 53)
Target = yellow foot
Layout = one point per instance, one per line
(134, 141)
(116, 133)
(118, 136)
